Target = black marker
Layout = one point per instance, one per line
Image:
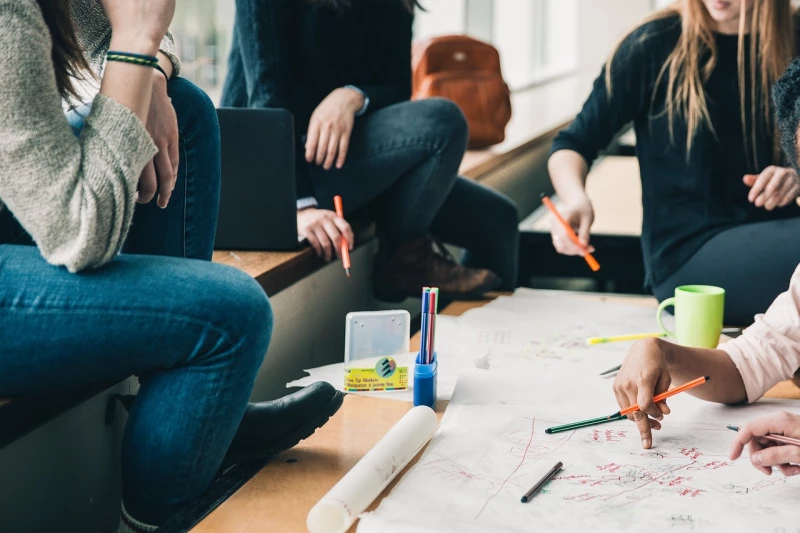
(547, 477)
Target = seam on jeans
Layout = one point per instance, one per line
(182, 141)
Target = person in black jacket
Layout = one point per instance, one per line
(343, 67)
(719, 201)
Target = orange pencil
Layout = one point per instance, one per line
(593, 264)
(337, 202)
(664, 395)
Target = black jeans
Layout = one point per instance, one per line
(752, 262)
(403, 161)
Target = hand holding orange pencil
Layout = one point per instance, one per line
(337, 203)
(590, 260)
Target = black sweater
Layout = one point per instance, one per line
(685, 201)
(292, 53)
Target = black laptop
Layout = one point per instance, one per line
(258, 202)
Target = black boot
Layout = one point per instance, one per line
(271, 427)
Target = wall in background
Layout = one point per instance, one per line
(601, 24)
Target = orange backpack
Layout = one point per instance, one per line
(466, 71)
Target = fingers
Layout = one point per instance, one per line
(312, 140)
(776, 456)
(643, 423)
(345, 230)
(644, 400)
(662, 385)
(764, 455)
(789, 470)
(333, 146)
(754, 448)
(344, 145)
(324, 242)
(791, 189)
(166, 178)
(773, 190)
(750, 179)
(174, 157)
(562, 243)
(583, 231)
(335, 236)
(147, 184)
(759, 185)
(315, 244)
(322, 144)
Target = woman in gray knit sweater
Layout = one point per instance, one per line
(73, 311)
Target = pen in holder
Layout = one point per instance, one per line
(425, 378)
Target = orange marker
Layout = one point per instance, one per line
(664, 395)
(593, 264)
(337, 202)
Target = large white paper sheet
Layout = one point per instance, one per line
(491, 448)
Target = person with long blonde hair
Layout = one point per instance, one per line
(718, 198)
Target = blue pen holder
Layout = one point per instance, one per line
(425, 378)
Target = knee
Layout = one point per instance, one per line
(195, 110)
(446, 119)
(240, 309)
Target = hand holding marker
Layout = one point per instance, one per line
(337, 202)
(592, 262)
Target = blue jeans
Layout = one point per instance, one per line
(195, 333)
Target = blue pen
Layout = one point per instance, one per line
(423, 348)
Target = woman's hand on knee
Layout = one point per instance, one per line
(774, 187)
(161, 173)
(766, 454)
(329, 129)
(324, 231)
(644, 375)
(579, 214)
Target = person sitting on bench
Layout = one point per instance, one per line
(343, 67)
(73, 312)
(719, 201)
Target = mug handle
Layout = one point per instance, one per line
(666, 303)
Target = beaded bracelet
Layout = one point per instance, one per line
(134, 59)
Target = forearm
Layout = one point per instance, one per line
(685, 364)
(568, 171)
(130, 85)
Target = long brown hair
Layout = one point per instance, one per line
(68, 59)
(771, 26)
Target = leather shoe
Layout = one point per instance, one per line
(269, 428)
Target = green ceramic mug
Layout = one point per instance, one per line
(699, 311)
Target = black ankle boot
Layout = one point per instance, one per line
(271, 427)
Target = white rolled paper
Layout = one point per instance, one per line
(351, 496)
